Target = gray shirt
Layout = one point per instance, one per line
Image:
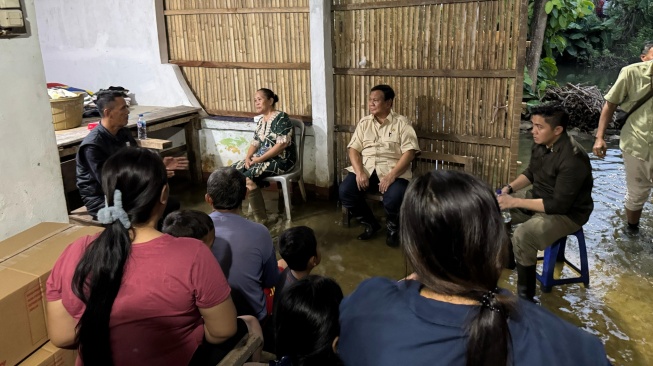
(247, 257)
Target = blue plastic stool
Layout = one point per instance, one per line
(556, 253)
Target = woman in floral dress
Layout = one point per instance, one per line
(271, 152)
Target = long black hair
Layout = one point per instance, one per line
(306, 321)
(454, 238)
(140, 176)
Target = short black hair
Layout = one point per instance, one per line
(297, 245)
(188, 224)
(227, 188)
(647, 47)
(105, 98)
(554, 114)
(388, 93)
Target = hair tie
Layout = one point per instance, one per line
(109, 214)
(488, 298)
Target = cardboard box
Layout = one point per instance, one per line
(39, 259)
(49, 355)
(28, 238)
(21, 314)
(24, 270)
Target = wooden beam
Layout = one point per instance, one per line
(155, 144)
(245, 65)
(397, 4)
(427, 73)
(217, 112)
(259, 10)
(492, 141)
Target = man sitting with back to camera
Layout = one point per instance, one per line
(381, 150)
(560, 201)
(109, 136)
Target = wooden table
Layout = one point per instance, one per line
(157, 118)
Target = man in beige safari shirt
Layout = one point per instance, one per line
(636, 140)
(381, 150)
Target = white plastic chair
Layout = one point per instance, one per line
(295, 175)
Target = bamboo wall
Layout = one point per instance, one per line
(456, 67)
(227, 49)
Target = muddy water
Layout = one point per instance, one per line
(618, 306)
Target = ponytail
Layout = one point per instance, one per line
(489, 340)
(454, 238)
(96, 282)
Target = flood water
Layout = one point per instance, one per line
(617, 307)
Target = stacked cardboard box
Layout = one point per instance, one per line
(49, 355)
(26, 260)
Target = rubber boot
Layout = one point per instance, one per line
(526, 282)
(392, 238)
(511, 264)
(257, 205)
(510, 261)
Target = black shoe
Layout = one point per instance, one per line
(370, 230)
(526, 282)
(392, 240)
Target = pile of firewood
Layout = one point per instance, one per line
(583, 103)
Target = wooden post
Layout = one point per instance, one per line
(193, 149)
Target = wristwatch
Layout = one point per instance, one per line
(509, 188)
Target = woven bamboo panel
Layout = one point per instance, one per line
(240, 37)
(233, 90)
(227, 49)
(454, 66)
(232, 4)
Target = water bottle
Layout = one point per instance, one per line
(141, 125)
(505, 214)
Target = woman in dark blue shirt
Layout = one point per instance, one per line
(453, 236)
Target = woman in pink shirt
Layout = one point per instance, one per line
(133, 295)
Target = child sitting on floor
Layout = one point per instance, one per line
(190, 224)
(298, 247)
(306, 323)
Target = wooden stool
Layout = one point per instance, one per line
(346, 215)
(243, 351)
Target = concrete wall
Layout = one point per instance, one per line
(30, 178)
(97, 44)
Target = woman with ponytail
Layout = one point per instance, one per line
(133, 295)
(451, 311)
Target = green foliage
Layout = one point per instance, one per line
(572, 30)
(629, 17)
(586, 38)
(564, 14)
(633, 47)
(546, 74)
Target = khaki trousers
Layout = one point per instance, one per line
(537, 231)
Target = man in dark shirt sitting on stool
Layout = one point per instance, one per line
(109, 136)
(560, 201)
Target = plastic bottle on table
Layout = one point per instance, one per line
(142, 127)
(505, 213)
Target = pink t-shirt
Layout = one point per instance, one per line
(155, 318)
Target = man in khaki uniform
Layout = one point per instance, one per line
(381, 150)
(636, 140)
